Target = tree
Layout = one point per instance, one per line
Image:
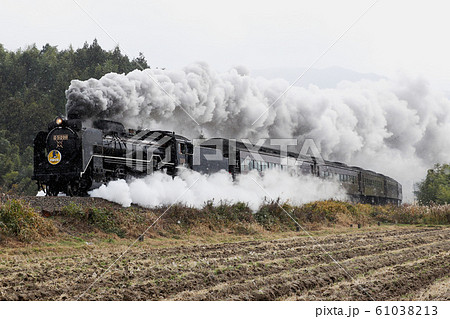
(435, 188)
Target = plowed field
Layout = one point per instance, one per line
(385, 263)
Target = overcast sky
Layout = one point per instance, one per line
(395, 35)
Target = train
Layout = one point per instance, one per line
(74, 156)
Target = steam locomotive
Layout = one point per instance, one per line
(74, 157)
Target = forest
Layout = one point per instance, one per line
(33, 82)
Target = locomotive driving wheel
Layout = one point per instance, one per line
(73, 189)
(51, 190)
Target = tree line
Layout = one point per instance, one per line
(435, 188)
(32, 93)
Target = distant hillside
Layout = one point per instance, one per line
(324, 78)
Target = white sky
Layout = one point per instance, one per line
(394, 35)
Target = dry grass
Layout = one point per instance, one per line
(20, 221)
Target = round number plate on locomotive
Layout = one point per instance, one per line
(54, 157)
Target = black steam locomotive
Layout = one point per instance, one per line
(74, 157)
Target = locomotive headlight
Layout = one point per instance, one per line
(59, 121)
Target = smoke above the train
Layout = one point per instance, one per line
(195, 189)
(396, 127)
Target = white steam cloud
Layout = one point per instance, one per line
(195, 189)
(396, 127)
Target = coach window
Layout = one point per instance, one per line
(189, 149)
(245, 164)
(182, 148)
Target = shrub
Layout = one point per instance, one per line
(101, 218)
(74, 211)
(19, 220)
(105, 220)
(274, 216)
(229, 213)
(331, 212)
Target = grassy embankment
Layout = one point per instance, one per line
(22, 223)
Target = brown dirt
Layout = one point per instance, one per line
(386, 263)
